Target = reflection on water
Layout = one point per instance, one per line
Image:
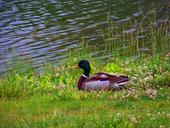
(43, 30)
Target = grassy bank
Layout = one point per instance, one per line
(49, 98)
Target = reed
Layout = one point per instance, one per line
(136, 37)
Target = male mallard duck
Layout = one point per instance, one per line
(99, 81)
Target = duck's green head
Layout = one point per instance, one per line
(85, 65)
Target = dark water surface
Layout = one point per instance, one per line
(43, 30)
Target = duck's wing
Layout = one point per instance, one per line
(117, 79)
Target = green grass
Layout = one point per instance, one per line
(50, 98)
(99, 111)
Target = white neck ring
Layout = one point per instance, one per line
(84, 76)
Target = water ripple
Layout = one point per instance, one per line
(43, 30)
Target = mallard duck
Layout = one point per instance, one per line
(99, 81)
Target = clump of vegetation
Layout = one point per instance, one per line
(151, 72)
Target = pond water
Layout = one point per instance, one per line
(43, 30)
